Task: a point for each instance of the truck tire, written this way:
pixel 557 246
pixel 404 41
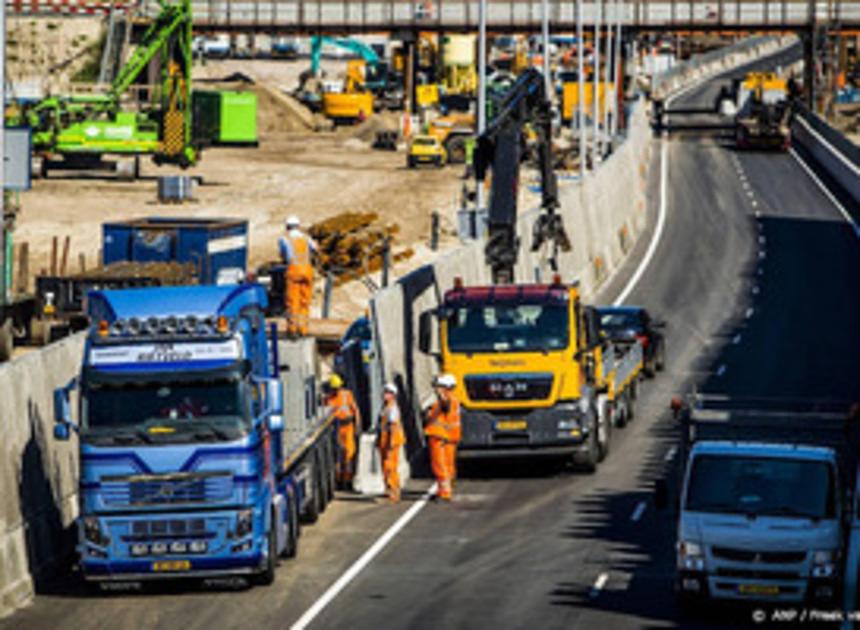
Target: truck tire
pixel 622 404
pixel 604 427
pixel 455 147
pixel 331 476
pixel 292 546
pixel 267 575
pixel 6 340
pixel 312 509
pixel 588 459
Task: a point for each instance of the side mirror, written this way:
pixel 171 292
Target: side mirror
pixel 425 332
pixel 274 391
pixel 62 432
pixel 62 406
pixel 661 494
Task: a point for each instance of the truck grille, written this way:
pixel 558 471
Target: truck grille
pixel 509 387
pixel 168 489
pixel 766 557
pixel 749 574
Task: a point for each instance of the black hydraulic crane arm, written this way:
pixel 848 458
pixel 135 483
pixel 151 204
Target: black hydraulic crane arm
pixel 499 149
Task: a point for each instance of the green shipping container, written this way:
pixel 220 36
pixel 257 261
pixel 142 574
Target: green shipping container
pixel 225 118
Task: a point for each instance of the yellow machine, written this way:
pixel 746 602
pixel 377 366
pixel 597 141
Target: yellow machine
pixel 453 131
pixel 427 95
pixel 426 149
pixel 534 374
pixel 354 103
pixel 459 75
pixel 762 111
pixel 570 98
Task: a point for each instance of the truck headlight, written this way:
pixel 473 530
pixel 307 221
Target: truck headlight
pixel 566 425
pixel 244 522
pixel 823 564
pixel 93 531
pixel 139 549
pixel 690 556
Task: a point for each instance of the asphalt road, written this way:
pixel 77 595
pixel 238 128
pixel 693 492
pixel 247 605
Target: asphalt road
pixel 527 545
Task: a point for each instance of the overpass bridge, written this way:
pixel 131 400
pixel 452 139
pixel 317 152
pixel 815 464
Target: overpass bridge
pixel 367 16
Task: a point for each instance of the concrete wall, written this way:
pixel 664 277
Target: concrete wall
pixel 832 154
pixel 38 475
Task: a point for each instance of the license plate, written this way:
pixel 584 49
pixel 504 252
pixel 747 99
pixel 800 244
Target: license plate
pixel 758 589
pixel 171 565
pixel 511 425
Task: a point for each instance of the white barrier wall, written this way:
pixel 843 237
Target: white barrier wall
pixel 38 475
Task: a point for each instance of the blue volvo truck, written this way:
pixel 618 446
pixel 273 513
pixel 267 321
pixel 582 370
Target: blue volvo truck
pixel 196 458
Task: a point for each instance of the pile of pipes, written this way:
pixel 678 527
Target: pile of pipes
pixel 352 244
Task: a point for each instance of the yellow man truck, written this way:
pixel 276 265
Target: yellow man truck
pixel 534 374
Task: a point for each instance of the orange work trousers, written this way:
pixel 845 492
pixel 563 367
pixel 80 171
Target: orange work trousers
pixel 391 471
pixel 345 451
pixel 300 285
pixel 443 461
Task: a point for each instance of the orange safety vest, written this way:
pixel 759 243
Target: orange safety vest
pixel 444 424
pixel 391 433
pixel 298 250
pixel 342 406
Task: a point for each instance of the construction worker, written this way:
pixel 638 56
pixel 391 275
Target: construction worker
pixel 340 405
pixel 296 251
pixel 443 432
pixel 391 439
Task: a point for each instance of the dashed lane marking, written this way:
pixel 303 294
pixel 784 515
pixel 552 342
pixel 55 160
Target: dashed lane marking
pixel 639 511
pixel 599 583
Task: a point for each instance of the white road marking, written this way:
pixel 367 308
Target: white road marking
pixel 760 271
pixel 736 340
pixel 599 583
pixel 754 203
pixel 750 194
pixel 639 511
pixel 762 255
pixel 749 313
pixel 758 214
pixel 762 240
pixel 670 454
pixel 365 559
pixel 721 370
pixel 658 231
pixel 755 289
pixel 827 192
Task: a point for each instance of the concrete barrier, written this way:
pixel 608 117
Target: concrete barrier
pixel 832 154
pixel 38 475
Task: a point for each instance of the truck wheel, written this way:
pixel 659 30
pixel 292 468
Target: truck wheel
pixel 312 509
pixel 604 428
pixel 6 340
pixel 588 459
pixel 267 576
pixel 622 405
pixel 455 147
pixel 292 546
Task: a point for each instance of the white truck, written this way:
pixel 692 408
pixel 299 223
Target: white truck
pixel 764 501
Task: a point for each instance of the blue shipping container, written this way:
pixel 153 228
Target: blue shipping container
pixel 212 245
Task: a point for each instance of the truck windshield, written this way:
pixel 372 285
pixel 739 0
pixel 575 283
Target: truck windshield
pixel 191 411
pixel 508 328
pixel 761 486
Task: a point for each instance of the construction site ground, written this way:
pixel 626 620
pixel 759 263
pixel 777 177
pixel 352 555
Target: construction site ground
pixel 314 175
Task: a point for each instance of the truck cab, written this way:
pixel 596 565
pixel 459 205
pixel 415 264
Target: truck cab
pixel 763 509
pixel 526 361
pixel 180 422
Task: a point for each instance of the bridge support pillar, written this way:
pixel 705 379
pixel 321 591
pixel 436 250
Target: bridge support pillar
pixel 808 39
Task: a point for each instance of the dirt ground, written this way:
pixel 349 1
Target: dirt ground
pixel 311 174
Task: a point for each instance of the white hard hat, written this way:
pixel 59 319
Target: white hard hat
pixel 390 388
pixel 446 380
pixel 293 221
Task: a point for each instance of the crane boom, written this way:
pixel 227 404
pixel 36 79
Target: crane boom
pixel 499 149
